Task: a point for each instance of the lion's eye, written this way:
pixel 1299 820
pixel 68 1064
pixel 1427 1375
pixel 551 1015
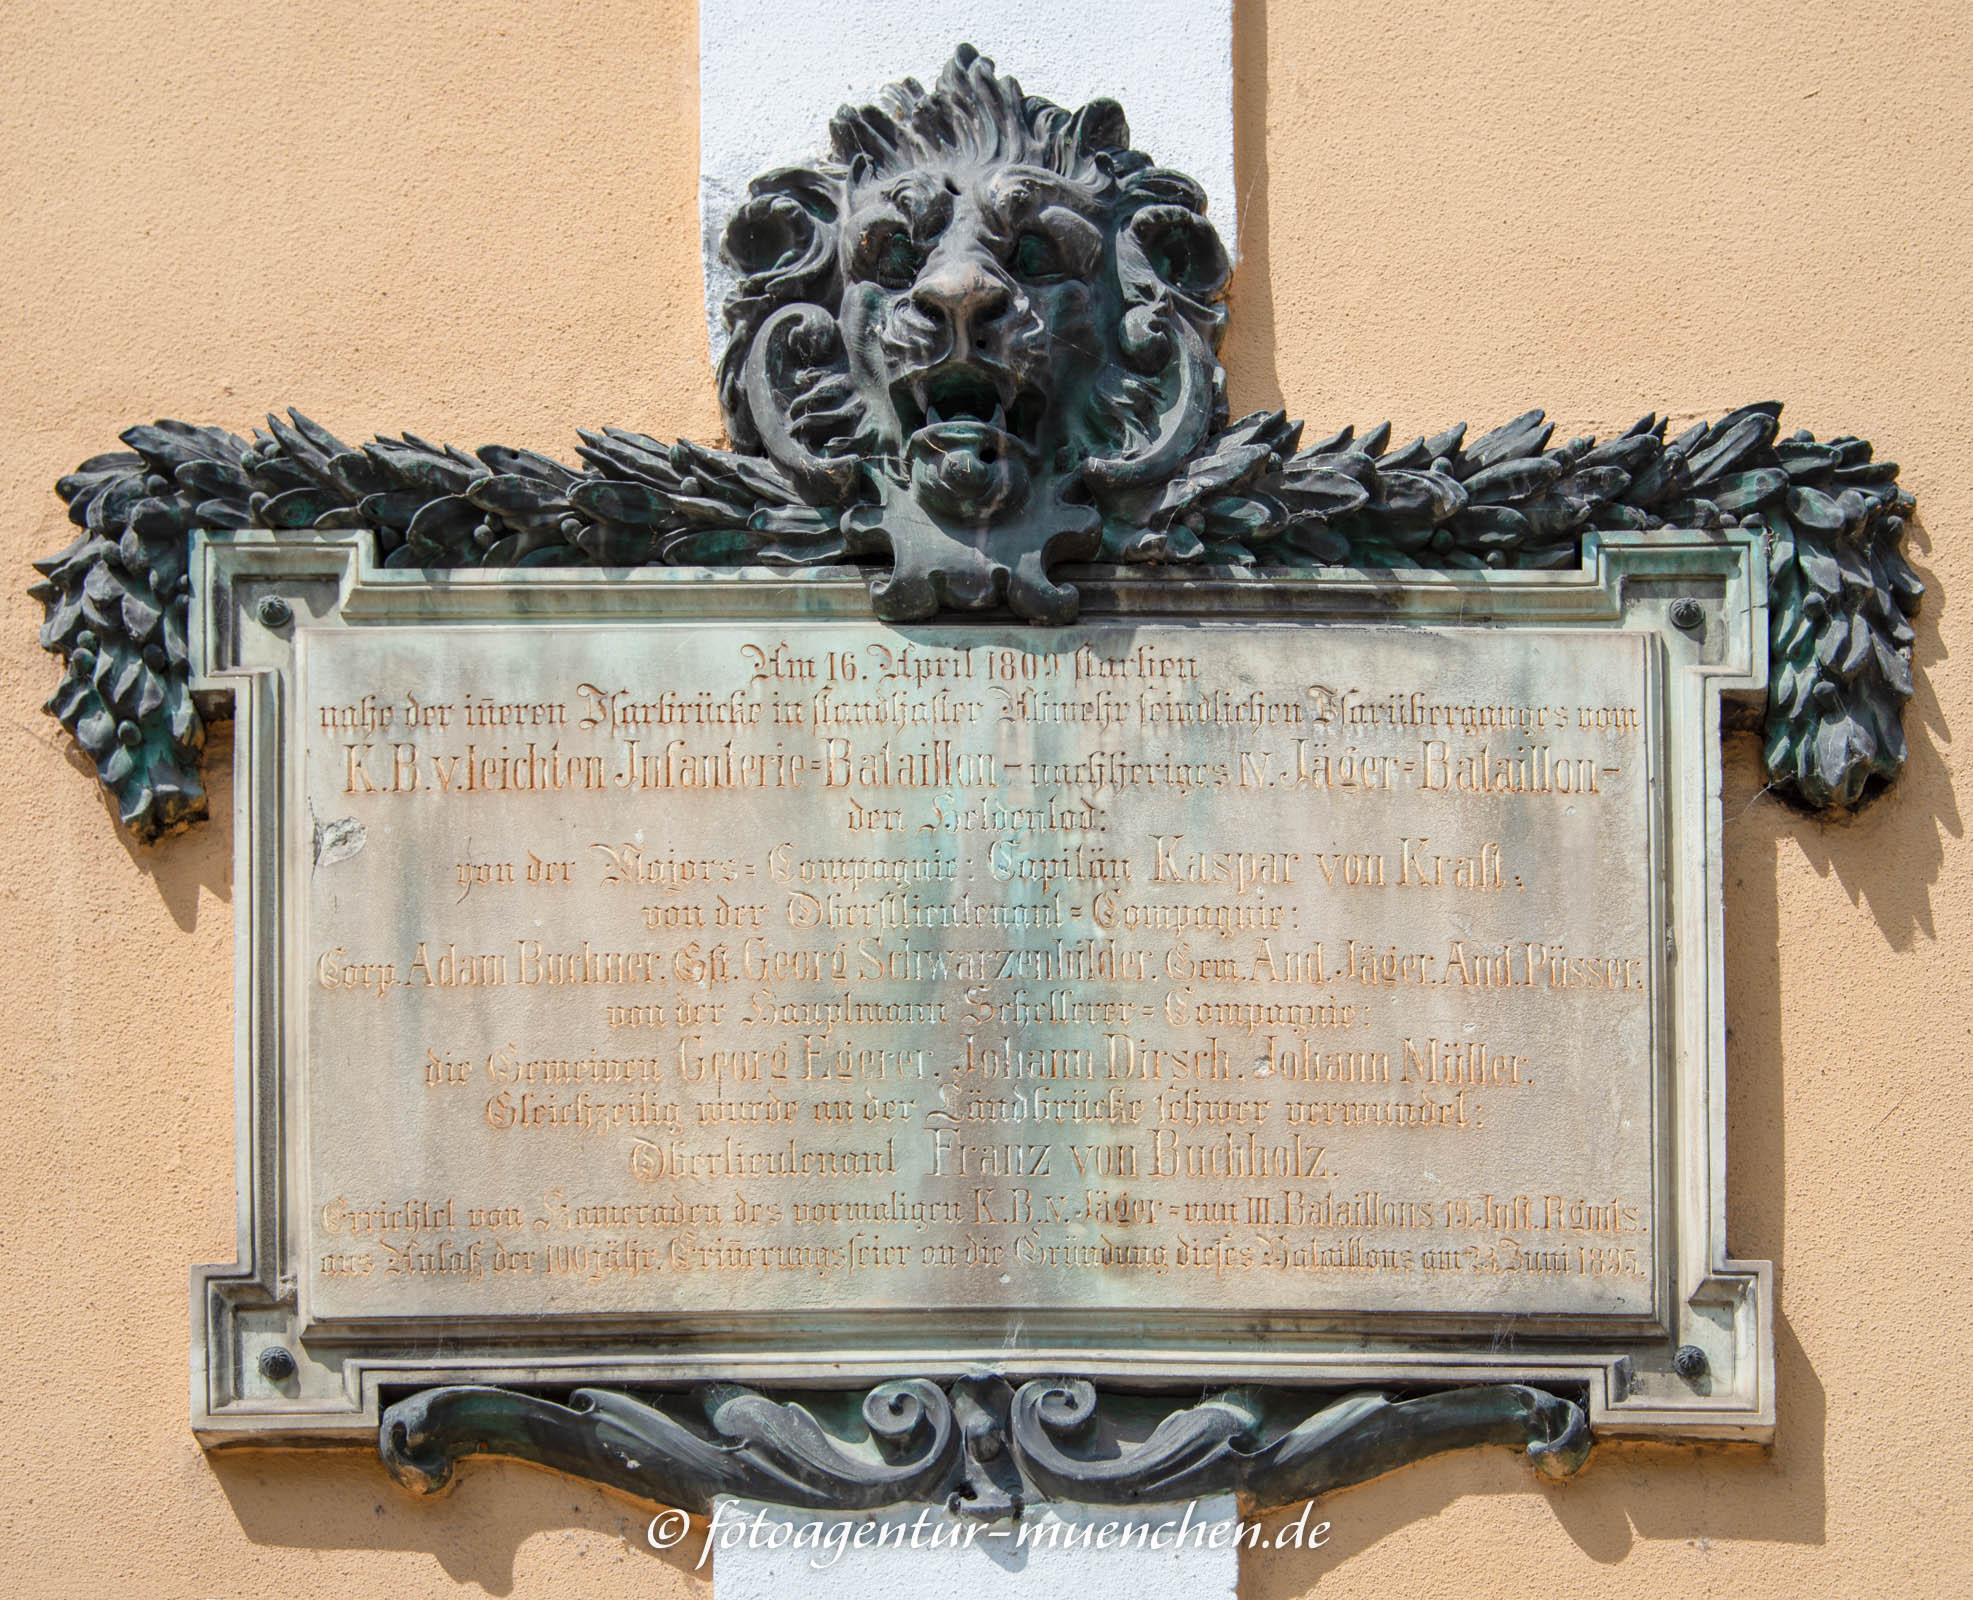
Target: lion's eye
pixel 896 260
pixel 1035 256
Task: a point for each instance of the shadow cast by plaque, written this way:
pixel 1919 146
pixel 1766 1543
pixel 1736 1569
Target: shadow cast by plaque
pixel 182 866
pixel 341 1500
pixel 1888 856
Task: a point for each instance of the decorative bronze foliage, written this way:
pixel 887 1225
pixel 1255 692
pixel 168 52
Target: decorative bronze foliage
pixel 974 345
pixel 117 603
pixel 978 1444
pixel 1841 591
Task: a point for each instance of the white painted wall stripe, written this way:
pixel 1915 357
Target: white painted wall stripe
pixel 772 73
pixel 771 1553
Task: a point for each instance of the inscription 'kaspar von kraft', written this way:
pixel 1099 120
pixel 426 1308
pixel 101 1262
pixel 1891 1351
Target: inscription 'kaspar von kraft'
pixel 1138 967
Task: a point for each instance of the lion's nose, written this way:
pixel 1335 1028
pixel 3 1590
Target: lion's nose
pixel 962 292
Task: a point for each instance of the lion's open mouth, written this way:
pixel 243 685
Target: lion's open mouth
pixel 972 402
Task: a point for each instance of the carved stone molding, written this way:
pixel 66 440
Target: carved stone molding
pixel 978 1445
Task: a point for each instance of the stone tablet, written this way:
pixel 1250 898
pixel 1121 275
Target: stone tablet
pixel 699 969
pixel 688 979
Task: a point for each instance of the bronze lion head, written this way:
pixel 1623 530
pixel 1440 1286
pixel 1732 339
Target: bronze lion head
pixel 978 327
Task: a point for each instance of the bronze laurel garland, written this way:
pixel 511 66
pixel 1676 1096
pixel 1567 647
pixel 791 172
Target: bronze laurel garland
pixel 1840 591
pixel 972 344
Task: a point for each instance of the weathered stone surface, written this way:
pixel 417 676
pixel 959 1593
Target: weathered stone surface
pixel 1259 982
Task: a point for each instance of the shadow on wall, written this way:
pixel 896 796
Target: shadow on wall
pixel 182 865
pixel 1627 1494
pixel 1890 854
pixel 1890 857
pixel 1655 1492
pixel 342 1500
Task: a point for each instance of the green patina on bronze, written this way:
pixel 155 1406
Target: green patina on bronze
pixel 979 1445
pixel 974 346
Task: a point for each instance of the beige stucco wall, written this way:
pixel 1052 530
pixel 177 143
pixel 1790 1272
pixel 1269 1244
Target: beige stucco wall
pixel 477 221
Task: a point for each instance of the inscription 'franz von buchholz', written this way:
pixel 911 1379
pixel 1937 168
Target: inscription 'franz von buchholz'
pixel 698 968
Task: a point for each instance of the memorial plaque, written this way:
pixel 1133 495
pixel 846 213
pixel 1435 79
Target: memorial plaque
pixel 701 969
pixel 996 878
pixel 1000 932
pixel 664 981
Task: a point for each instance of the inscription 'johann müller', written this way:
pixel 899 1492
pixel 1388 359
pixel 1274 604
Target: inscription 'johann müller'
pixel 1123 960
